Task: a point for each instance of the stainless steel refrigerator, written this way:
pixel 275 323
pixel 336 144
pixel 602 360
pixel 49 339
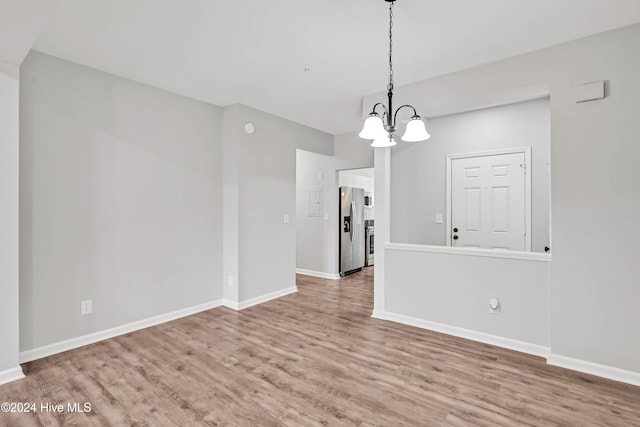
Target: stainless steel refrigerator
pixel 351 230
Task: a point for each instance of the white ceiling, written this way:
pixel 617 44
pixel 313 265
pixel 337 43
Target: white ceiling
pixel 256 51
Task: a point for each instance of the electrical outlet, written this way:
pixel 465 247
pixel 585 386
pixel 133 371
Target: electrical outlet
pixel 86 307
pixel 230 281
pixel 285 218
pixel 494 306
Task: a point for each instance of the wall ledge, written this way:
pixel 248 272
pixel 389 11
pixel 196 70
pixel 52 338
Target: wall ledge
pixel 489 253
pixel 81 341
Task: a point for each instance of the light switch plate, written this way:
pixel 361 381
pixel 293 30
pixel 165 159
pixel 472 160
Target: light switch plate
pixel 86 307
pixel 438 218
pixel 326 216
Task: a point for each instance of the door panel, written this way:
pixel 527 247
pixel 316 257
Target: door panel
pixel 488 201
pixel 472 209
pixel 473 172
pixel 500 170
pixel 500 209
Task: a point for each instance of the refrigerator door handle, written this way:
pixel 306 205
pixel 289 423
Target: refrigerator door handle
pixel 351 213
pixel 355 213
pixel 352 209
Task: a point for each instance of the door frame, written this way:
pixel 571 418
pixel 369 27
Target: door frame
pixel 527 187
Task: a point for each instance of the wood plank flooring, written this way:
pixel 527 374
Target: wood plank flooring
pixel 312 358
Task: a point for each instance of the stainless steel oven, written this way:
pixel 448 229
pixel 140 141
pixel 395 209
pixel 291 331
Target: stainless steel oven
pixel 368 246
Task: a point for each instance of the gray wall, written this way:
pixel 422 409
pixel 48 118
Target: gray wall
pixel 523 124
pixel 120 201
pixel 9 143
pixel 349 146
pixel 264 176
pixel 594 196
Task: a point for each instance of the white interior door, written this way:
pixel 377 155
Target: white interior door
pixel 488 197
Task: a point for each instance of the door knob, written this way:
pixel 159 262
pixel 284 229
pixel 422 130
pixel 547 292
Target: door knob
pixel 455 237
pixel 455 230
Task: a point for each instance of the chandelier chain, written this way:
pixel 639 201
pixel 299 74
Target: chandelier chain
pixel 390 86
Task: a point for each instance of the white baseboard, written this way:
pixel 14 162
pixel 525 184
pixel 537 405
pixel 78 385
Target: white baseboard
pixel 70 344
pixel 267 297
pixel 511 344
pixel 616 374
pixel 604 371
pixel 230 304
pixel 10 375
pixel 379 314
pixel 237 306
pixel 320 274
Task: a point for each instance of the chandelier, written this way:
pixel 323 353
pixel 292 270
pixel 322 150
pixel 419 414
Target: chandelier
pixel 382 133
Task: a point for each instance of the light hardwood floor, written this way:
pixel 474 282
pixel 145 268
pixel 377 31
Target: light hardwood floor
pixel 311 358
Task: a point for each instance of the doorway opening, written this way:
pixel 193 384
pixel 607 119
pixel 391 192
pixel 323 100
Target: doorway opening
pixel 318 179
pixel 356 228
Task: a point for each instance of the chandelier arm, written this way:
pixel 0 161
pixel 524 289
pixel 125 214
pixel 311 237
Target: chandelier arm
pixel 395 115
pixel 383 106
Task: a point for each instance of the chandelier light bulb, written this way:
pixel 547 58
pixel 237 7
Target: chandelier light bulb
pixel 372 128
pixel 383 141
pixel 415 131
